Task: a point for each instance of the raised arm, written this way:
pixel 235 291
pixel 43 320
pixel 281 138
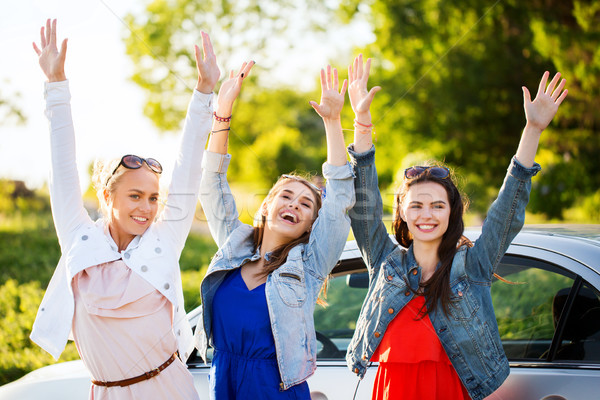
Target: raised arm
pixel 215 195
pixel 187 173
pixel 506 215
pixel 227 95
pixel 539 113
pixel 360 100
pixel 330 230
pixel 332 101
pixel 367 215
pixel 65 192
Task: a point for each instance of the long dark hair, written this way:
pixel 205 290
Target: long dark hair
pixel 279 254
pixel 437 288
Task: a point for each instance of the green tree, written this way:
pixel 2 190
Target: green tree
pixel 274 130
pixel 453 70
pixel 451 73
pixel 10 112
pixel 160 43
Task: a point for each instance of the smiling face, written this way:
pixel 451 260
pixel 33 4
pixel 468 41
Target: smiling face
pixel 290 212
pixel 426 211
pixel 133 204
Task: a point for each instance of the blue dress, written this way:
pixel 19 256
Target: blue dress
pixel 244 364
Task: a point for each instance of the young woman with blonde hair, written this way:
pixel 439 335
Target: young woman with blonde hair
pixel 117 287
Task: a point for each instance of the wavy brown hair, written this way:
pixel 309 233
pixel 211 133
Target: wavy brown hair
pixel 279 254
pixel 437 288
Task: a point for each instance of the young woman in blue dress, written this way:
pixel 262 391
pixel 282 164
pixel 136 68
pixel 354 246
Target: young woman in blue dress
pixel 437 283
pixel 262 285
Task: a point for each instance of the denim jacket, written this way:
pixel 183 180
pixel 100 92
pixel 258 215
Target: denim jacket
pixel 293 288
pixel 469 334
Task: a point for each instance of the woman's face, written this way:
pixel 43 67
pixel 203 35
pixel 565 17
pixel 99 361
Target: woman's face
pixel 291 211
pixel 134 202
pixel 426 211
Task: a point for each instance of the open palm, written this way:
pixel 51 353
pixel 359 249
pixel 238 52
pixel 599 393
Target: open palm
pixel 51 60
pixel 542 109
pixel 360 97
pixel 332 100
pixel 230 89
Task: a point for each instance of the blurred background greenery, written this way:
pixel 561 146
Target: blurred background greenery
pixel 451 73
pixel 29 252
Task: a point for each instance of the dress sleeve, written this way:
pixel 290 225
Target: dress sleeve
pixel 330 230
pixel 65 192
pixel 369 231
pixel 181 201
pixel 216 198
pixel 504 220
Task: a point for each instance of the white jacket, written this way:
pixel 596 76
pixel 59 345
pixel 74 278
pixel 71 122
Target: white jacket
pixel 154 255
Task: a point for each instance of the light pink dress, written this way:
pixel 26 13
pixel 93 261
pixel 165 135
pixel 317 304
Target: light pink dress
pixel 122 328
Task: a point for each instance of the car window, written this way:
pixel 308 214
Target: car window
pixel 336 322
pixel 525 306
pixel 580 339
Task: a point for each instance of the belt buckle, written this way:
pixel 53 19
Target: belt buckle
pixel 152 373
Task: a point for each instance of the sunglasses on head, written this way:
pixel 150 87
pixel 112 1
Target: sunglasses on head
pixel 297 178
pixel 417 171
pixel 131 161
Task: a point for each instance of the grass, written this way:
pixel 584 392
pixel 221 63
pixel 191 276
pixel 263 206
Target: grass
pixel 29 253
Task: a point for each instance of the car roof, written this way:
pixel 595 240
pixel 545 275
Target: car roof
pixel 579 242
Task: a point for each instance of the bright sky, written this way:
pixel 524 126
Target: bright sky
pixel 107 106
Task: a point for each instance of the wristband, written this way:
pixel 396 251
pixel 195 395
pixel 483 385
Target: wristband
pixel 221 119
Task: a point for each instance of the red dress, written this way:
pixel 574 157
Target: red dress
pixel 412 361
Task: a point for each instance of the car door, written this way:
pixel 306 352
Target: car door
pixel 334 325
pixel 548 316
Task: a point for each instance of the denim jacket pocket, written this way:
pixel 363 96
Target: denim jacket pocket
pixel 391 276
pixel 291 285
pixel 463 305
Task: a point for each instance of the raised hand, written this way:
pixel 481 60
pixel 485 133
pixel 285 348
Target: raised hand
pixel 208 71
pixel 332 100
pixel 51 60
pixel 230 89
pixel 543 108
pixel 360 97
pixel 539 113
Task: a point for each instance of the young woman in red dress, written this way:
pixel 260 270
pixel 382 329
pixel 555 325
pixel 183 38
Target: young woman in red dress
pixel 428 317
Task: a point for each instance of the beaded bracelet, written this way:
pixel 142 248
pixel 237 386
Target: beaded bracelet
pixel 221 119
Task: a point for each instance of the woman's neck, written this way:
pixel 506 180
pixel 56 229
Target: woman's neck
pixel 426 255
pixel 122 240
pixel 270 241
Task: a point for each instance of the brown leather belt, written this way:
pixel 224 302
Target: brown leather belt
pixel 143 377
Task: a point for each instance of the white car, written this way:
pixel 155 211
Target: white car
pixel 549 321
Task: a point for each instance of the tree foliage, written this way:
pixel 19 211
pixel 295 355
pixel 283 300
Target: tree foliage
pixel 10 112
pixel 453 70
pixel 161 38
pixel 451 73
